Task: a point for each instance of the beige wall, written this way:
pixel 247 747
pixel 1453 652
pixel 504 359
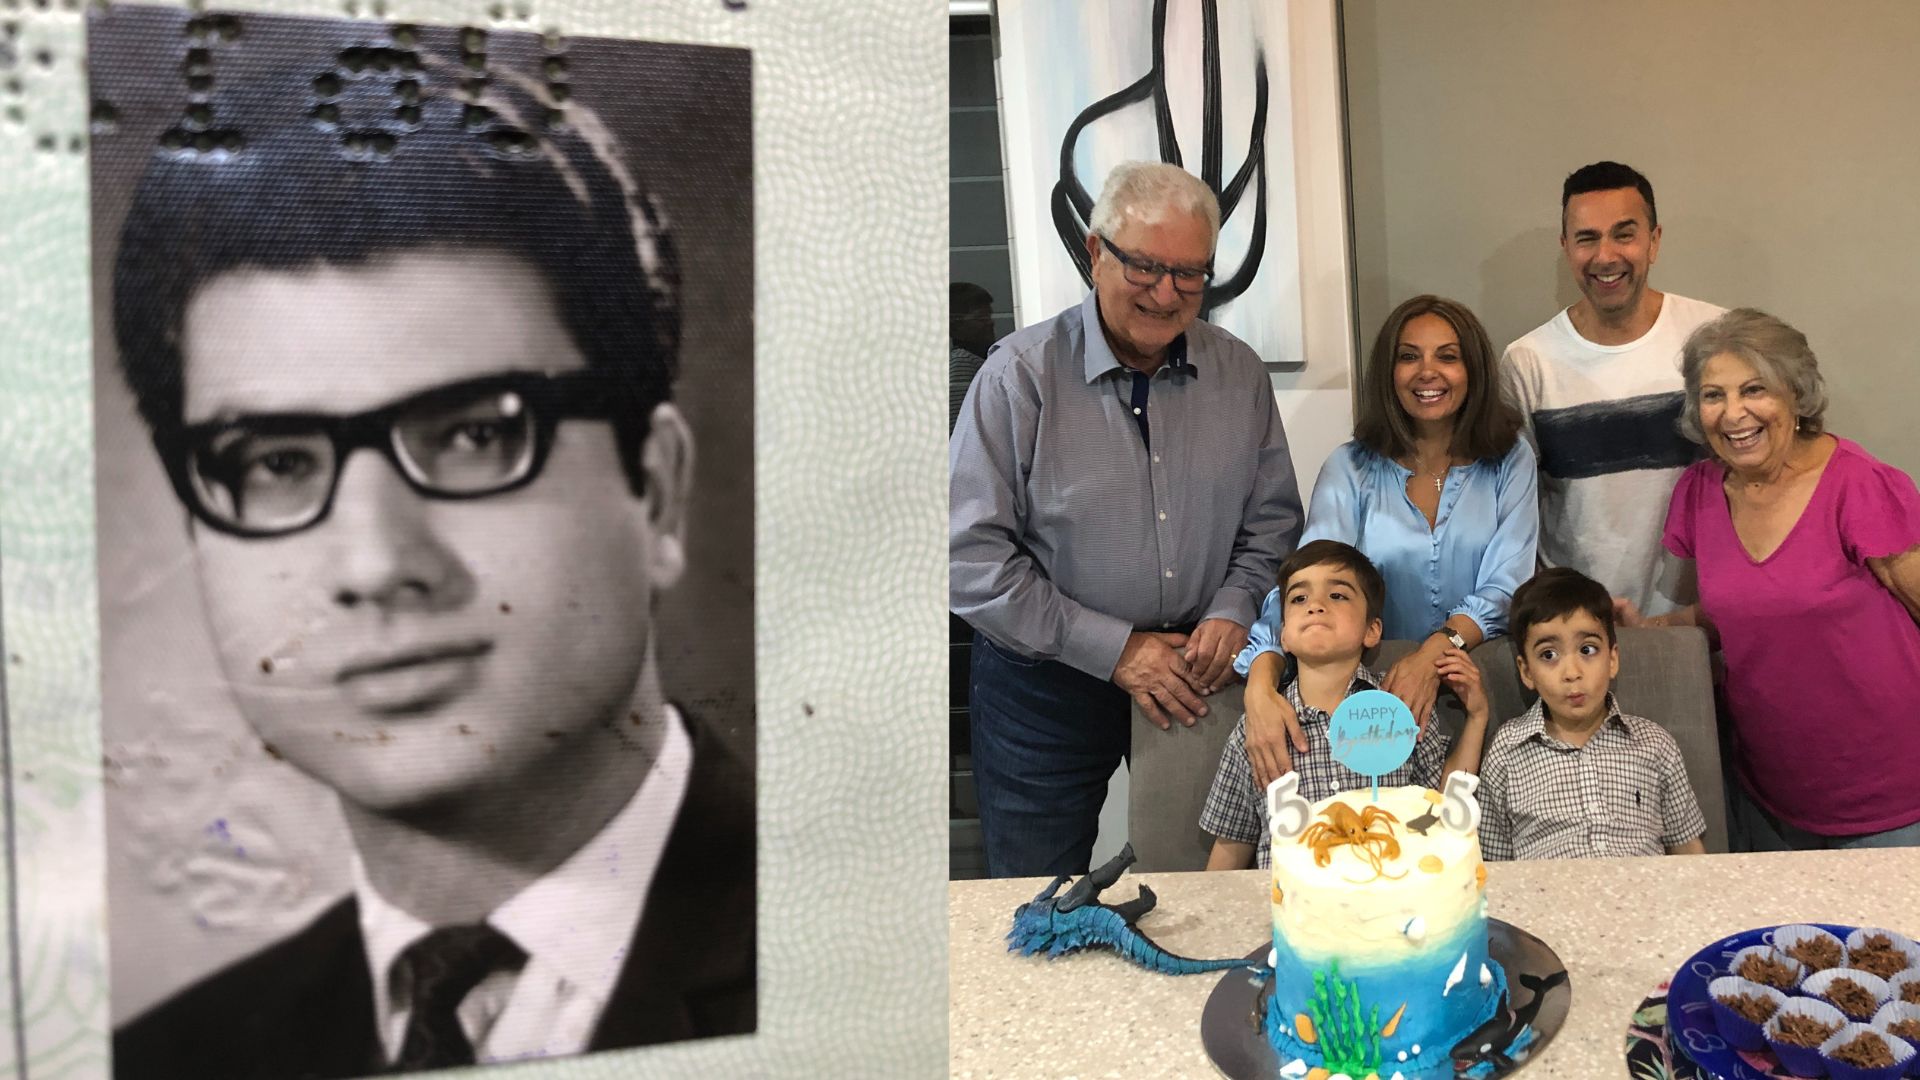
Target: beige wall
pixel 1782 139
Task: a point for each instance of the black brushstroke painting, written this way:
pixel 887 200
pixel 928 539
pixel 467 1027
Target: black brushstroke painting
pixel 1072 205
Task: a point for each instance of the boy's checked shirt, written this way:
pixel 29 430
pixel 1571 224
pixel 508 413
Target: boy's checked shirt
pixel 1624 793
pixel 1237 810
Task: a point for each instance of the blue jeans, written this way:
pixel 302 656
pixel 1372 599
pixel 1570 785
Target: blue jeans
pixel 1755 829
pixel 1046 739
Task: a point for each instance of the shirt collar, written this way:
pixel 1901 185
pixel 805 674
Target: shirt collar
pixel 578 919
pixel 1533 723
pixel 1099 358
pixel 1363 679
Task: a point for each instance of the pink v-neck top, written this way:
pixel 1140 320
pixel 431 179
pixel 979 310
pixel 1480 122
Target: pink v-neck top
pixel 1823 662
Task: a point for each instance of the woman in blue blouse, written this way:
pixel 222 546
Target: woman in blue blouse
pixel 1438 489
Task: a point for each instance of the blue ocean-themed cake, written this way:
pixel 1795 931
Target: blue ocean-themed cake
pixel 1380 957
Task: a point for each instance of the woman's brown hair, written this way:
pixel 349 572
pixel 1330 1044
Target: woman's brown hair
pixel 1485 426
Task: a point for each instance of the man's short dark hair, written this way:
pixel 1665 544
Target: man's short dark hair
pixel 966 298
pixel 1555 594
pixel 1345 557
pixel 533 179
pixel 1607 176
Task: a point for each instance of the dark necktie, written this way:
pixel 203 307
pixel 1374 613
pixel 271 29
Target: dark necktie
pixel 443 968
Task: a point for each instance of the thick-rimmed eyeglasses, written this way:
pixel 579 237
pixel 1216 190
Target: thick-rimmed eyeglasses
pixel 272 474
pixel 1187 280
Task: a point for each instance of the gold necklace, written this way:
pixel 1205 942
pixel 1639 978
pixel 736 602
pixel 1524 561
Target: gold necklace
pixel 1439 478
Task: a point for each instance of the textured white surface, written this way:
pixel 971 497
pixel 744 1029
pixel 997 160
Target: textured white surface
pixel 850 659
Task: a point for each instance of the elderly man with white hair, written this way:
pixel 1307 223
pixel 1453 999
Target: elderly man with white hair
pixel 1120 496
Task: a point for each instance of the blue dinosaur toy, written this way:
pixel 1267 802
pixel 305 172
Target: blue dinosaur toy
pixel 1057 925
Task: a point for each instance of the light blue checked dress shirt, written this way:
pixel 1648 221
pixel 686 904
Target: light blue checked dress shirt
pixel 1068 529
pixel 1479 549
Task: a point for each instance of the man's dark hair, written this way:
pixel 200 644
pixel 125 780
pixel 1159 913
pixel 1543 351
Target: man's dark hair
pixel 966 298
pixel 1486 425
pixel 1554 594
pixel 1343 556
pixel 1606 176
pixel 520 174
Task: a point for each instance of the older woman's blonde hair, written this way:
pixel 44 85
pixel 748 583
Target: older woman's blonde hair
pixel 1779 354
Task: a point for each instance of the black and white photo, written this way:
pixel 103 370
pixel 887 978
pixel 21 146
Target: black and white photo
pixel 424 432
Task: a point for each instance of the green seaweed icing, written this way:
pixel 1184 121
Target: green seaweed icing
pixel 1347 1043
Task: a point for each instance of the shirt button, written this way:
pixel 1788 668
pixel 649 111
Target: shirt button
pixel 1169 573
pixel 1136 412
pixel 1163 515
pixel 1156 459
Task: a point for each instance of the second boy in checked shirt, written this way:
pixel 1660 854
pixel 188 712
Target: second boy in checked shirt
pixel 1575 777
pixel 1330 600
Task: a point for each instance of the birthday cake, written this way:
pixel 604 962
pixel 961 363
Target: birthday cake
pixel 1380 957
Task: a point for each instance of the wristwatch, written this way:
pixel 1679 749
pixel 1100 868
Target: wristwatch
pixel 1453 637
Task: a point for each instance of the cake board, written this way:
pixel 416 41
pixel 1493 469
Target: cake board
pixel 1230 1022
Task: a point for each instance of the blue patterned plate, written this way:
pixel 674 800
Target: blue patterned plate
pixel 1690 1024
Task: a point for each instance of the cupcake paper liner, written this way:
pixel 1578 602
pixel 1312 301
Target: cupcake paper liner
pixel 1909 977
pixel 1892 1013
pixel 1840 1070
pixel 1900 941
pixel 1816 984
pixel 1741 1032
pixel 1802 1060
pixel 1733 965
pixel 1786 937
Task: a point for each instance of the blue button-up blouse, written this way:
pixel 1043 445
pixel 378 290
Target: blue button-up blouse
pixel 1478 550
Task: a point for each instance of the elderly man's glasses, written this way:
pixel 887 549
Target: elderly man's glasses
pixel 1187 280
pixel 276 473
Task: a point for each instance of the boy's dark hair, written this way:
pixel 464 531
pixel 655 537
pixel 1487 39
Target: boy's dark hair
pixel 1606 176
pixel 521 172
pixel 1486 425
pixel 1345 556
pixel 1553 594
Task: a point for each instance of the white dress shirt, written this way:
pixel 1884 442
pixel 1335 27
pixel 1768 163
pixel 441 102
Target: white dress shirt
pixel 575 925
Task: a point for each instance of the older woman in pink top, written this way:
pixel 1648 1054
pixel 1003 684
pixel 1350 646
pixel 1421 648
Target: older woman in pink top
pixel 1808 556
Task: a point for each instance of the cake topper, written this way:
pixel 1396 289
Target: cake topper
pixel 1287 813
pixel 1372 733
pixel 1461 811
pixel 1369 831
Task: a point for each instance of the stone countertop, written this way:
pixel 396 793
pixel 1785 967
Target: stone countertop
pixel 1622 926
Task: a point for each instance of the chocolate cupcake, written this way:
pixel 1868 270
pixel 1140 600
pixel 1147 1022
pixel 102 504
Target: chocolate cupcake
pixel 1797 1031
pixel 1901 1020
pixel 1857 1052
pixel 1859 994
pixel 1765 964
pixel 1882 952
pixel 1906 986
pixel 1816 948
pixel 1740 1009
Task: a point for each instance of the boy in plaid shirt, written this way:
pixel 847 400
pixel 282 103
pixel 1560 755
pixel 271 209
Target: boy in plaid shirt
pixel 1330 600
pixel 1575 777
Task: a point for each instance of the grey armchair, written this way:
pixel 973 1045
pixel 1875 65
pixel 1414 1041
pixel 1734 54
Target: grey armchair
pixel 1664 676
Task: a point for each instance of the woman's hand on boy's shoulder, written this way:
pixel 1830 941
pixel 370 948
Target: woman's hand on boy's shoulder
pixel 1273 733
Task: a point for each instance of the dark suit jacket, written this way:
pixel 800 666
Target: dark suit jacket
pixel 302 1009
